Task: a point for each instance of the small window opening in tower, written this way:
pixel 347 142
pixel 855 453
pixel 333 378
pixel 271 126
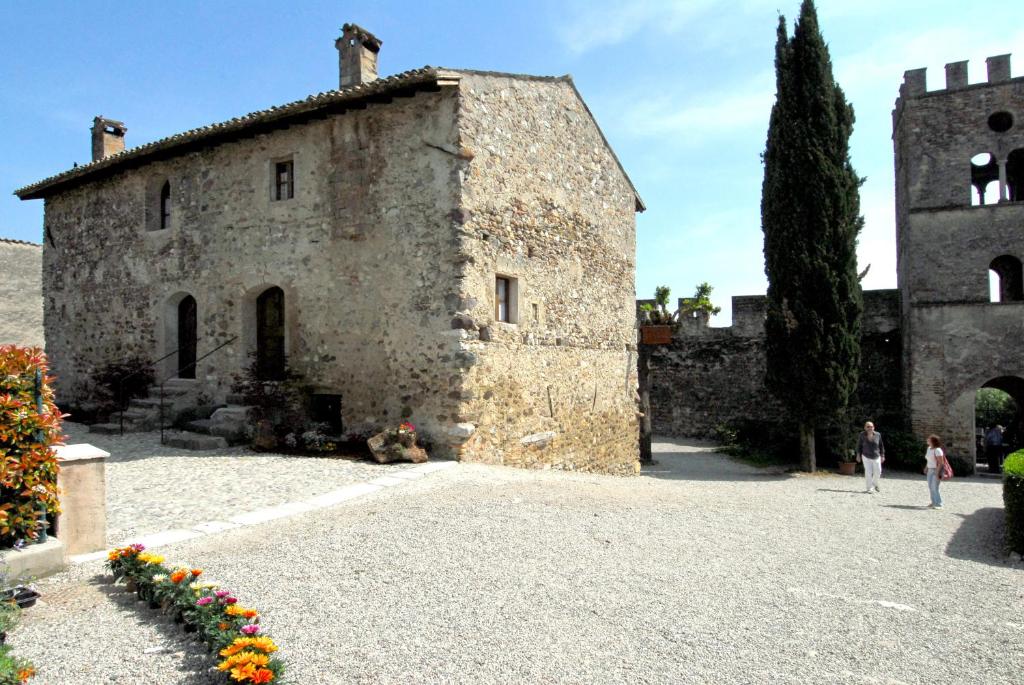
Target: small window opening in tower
pixel 984 179
pixel 1000 122
pixel 1006 279
pixel 1015 176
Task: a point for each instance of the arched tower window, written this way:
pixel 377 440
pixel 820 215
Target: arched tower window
pixel 165 205
pixel 984 179
pixel 1008 285
pixel 1015 175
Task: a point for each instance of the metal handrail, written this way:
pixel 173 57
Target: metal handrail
pixel 120 382
pixel 193 364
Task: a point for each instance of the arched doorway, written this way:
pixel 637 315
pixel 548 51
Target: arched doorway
pixel 999 419
pixel 270 348
pixel 187 337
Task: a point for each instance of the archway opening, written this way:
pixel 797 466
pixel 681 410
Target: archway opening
pixel 998 420
pixel 270 335
pixel 1015 175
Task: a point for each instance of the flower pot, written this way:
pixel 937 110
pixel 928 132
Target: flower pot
pixel 847 468
pixel 130 585
pixel 656 335
pixel 22 596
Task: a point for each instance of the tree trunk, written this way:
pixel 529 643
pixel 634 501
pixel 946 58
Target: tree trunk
pixel 643 377
pixel 807 447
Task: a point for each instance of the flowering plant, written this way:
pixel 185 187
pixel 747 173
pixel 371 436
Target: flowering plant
pixel 229 629
pixel 406 427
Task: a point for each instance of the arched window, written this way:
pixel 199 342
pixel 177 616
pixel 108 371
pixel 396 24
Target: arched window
pixel 1008 282
pixel 984 179
pixel 1015 175
pixel 165 205
pixel 270 350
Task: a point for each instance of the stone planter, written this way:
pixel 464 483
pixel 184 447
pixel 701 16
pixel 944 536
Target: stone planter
pixel 656 335
pixel 847 468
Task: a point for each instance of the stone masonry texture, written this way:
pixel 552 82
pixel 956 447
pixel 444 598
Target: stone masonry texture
pixel 404 213
pixel 21 293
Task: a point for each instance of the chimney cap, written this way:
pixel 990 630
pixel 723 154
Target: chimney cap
pixel 368 40
pixel 101 121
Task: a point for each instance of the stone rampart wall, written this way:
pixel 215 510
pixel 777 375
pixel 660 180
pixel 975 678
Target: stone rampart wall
pixel 711 377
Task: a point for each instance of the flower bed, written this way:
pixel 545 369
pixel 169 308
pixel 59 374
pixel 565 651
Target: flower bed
pixel 13 670
pixel 213 613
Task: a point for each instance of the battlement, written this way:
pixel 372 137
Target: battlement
pixel 915 81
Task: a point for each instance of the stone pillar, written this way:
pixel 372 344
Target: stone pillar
pixel 82 524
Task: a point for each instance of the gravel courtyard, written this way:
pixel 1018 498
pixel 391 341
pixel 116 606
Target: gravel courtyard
pixel 701 570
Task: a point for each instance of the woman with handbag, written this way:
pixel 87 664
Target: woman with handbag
pixel 936 468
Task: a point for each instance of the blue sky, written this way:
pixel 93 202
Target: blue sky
pixel 682 89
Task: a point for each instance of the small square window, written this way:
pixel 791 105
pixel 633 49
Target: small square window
pixel 284 180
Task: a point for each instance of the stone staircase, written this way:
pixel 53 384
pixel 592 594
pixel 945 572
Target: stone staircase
pixel 144 414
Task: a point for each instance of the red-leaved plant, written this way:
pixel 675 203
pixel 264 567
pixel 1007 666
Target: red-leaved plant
pixel 29 429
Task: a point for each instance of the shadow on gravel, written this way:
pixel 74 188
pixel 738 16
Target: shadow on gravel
pixel 980 537
pixel 195 661
pixel 923 507
pixel 851 491
pixel 697 460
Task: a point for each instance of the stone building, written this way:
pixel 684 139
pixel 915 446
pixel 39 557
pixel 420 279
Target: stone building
pixel 932 343
pixel 960 218
pixel 447 246
pixel 21 293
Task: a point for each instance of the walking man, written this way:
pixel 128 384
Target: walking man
pixel 871 452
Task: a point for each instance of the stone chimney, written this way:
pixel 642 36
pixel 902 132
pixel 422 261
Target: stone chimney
pixel 357 56
pixel 107 137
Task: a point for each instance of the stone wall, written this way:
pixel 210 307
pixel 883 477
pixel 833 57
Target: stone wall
pixel 21 293
pixel 359 253
pixel 546 205
pixel 711 377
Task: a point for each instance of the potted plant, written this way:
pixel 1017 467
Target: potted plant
pixel 656 322
pixel 847 462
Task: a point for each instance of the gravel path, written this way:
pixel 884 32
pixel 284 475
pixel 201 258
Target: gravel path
pixel 153 487
pixel 701 570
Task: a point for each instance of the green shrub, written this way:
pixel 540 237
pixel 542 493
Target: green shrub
pixel 904 451
pixel 1013 499
pixel 29 427
pixel 761 443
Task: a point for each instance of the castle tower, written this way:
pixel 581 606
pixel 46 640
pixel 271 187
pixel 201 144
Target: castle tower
pixel 959 218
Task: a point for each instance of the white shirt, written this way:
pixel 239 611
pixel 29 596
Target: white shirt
pixel 931 454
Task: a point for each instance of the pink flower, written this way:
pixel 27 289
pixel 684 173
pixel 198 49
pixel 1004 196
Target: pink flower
pixel 203 601
pixel 221 593
pixel 250 629
pixel 230 600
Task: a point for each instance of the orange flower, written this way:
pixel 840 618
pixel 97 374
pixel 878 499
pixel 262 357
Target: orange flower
pixel 26 673
pixel 222 626
pixel 241 673
pixel 262 675
pixel 263 643
pixel 249 613
pixel 234 610
pixel 196 572
pixel 178 576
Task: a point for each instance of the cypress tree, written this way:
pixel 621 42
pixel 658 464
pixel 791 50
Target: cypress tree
pixel 810 215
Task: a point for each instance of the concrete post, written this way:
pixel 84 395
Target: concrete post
pixel 82 524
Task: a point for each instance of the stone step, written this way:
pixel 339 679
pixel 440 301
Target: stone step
pixel 195 441
pixel 200 426
pixel 145 403
pixel 136 414
pixel 235 399
pixel 168 391
pixel 107 428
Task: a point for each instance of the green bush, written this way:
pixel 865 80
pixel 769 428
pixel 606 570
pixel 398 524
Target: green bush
pixel 1013 499
pixel 904 451
pixel 762 443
